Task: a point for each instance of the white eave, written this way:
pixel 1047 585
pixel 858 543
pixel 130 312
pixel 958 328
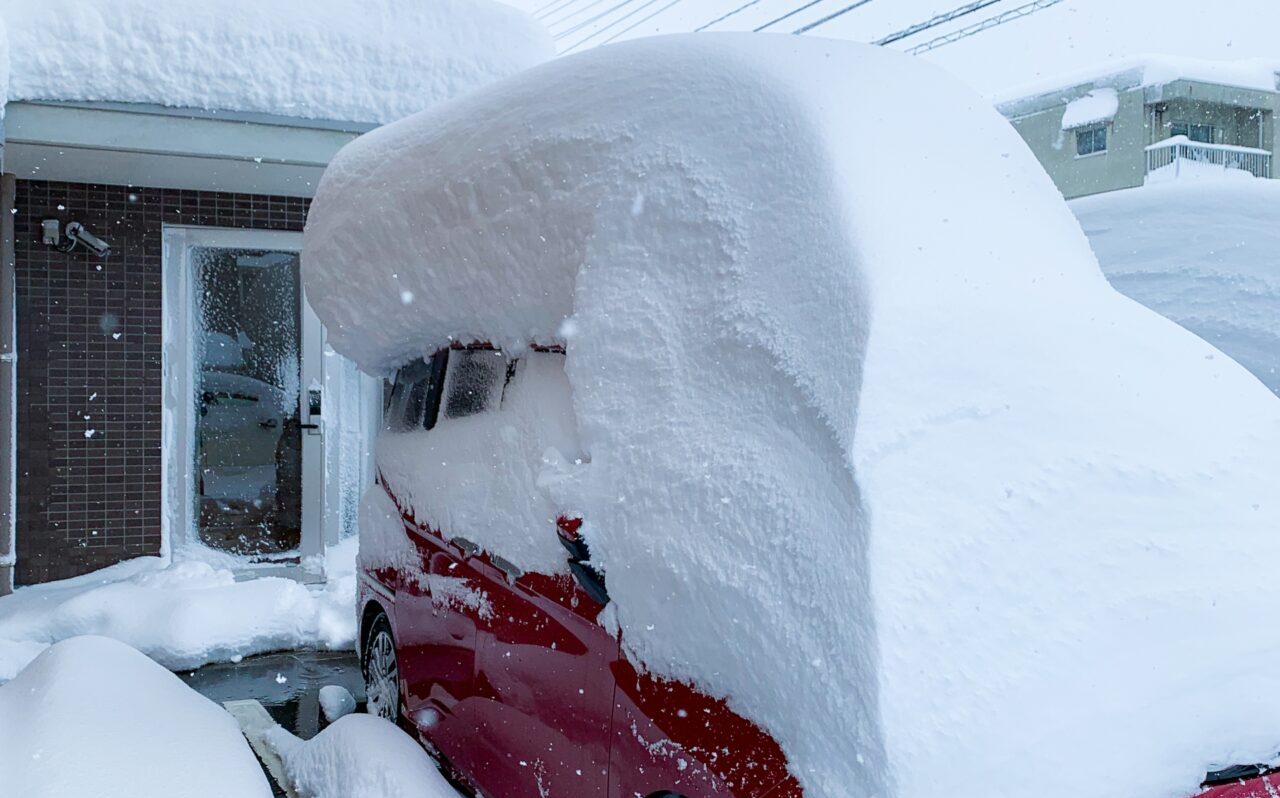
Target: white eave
pixel 156 146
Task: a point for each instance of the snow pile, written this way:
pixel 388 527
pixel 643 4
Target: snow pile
pixel 91 716
pixel 1099 105
pixel 359 756
pixel 182 615
pixel 924 496
pixel 368 62
pixel 1206 255
pixel 336 702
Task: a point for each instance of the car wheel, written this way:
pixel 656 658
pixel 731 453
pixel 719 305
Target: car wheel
pixel 381 673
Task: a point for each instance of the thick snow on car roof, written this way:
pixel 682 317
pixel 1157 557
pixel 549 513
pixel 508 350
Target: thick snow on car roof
pixel 372 61
pixel 870 446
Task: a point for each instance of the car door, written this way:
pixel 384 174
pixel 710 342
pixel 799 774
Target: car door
pixel 544 689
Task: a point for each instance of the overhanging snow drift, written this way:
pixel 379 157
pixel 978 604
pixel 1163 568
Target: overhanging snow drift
pixel 372 61
pixel 871 447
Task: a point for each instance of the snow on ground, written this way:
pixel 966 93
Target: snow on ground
pixel 359 756
pixel 91 716
pixel 1205 253
pixel 925 496
pixel 184 614
pixel 368 62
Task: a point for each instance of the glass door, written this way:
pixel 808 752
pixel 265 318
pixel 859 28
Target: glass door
pixel 248 396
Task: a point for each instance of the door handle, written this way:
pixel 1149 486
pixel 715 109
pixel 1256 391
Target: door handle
pixel 309 426
pixel 509 568
pixel 465 546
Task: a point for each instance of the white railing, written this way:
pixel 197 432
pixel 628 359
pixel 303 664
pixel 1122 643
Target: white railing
pixel 1173 152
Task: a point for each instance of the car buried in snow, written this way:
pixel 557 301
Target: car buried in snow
pixel 750 439
pixel 504 674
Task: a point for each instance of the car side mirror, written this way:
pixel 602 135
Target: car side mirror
pixel 591 580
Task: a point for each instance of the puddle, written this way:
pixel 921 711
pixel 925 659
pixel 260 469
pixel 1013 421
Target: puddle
pixel 287 684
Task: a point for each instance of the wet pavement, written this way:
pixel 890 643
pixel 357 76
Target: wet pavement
pixel 287 684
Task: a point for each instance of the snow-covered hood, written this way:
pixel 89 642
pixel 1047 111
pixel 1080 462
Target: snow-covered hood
pixel 871 447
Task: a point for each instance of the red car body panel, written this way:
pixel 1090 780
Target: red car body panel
pixel 1266 786
pixel 525 694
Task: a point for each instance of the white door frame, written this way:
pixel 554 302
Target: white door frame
pixel 178 499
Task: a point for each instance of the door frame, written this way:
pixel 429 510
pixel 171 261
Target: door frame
pixel 178 419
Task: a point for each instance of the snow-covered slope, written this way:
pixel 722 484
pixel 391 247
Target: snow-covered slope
pixel 372 61
pixel 93 717
pixel 870 446
pixel 1205 253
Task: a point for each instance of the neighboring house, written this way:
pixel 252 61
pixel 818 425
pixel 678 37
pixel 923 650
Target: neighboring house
pixel 1152 118
pixel 178 389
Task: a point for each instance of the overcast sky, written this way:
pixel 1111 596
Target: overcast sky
pixel 1070 35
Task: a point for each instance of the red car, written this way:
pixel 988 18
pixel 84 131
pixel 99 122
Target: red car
pixel 507 676
pixel 510 678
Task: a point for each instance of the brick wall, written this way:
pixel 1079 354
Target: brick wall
pixel 89 344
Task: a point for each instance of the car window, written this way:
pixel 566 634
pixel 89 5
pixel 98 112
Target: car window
pixel 475 381
pixel 415 397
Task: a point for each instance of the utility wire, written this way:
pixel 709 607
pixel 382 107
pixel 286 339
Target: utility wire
pixel 588 22
pixel 787 15
pixel 986 24
pixel 547 9
pixel 829 17
pixel 633 26
pixel 549 22
pixel 617 21
pixel 723 17
pixel 935 21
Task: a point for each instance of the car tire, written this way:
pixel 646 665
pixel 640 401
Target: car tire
pixel 381 671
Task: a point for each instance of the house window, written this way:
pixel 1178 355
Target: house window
pixel 1091 139
pixel 1204 133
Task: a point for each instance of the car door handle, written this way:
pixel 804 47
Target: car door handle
pixel 509 568
pixel 465 546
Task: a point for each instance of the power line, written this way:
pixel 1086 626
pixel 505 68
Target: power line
pixel 641 22
pixel 549 22
pixel 587 22
pixel 617 21
pixel 829 17
pixel 787 15
pixel 547 9
pixel 723 17
pixel 935 21
pixel 978 27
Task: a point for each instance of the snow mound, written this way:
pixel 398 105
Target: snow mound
pixel 91 716
pixel 368 62
pixel 182 615
pixel 870 447
pixel 1205 254
pixel 359 756
pixel 336 702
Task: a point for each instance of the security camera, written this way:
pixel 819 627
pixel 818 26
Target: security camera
pixel 77 234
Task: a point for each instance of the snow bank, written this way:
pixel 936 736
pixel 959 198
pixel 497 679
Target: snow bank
pixel 359 756
pixel 182 615
pixel 1099 105
pixel 1205 254
pixel 870 447
pixel 91 716
pixel 368 62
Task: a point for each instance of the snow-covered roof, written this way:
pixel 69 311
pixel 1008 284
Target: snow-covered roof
pixel 1256 74
pixel 869 446
pixel 1099 105
pixel 327 59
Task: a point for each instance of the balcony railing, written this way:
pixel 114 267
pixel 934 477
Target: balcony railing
pixel 1179 152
